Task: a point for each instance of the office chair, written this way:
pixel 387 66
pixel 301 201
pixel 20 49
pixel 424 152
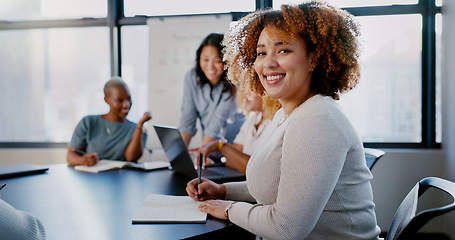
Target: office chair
pixel 406 222
pixel 372 155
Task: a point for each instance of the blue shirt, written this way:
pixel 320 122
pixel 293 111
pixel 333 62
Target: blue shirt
pixel 108 139
pixel 210 104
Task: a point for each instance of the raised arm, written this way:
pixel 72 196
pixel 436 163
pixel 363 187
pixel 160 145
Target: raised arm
pixel 135 149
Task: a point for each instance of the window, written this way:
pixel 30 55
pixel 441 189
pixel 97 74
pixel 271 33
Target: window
pixel 176 7
pixel 14 10
pixel 386 104
pixel 61 52
pixel 350 3
pixel 438 78
pixel 52 78
pixel 135 55
pixel 397 102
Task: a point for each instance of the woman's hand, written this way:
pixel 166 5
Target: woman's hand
pixel 195 157
pixel 206 190
pixel 208 149
pixel 90 159
pixel 147 116
pixel 215 208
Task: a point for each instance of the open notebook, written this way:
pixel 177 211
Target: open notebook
pixel 158 208
pixel 105 165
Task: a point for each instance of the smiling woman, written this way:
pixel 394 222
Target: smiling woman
pixel 211 64
pixel 111 135
pixel 207 95
pixel 281 64
pixel 305 56
pixel 36 78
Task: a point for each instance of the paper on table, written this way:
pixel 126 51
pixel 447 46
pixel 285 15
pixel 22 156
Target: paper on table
pixel 159 208
pixel 150 165
pixel 104 165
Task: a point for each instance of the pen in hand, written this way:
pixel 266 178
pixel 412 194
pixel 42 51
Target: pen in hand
pixel 90 160
pixel 199 172
pixel 79 151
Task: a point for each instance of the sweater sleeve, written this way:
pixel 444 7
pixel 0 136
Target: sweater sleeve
pixel 15 224
pixel 238 191
pixel 313 153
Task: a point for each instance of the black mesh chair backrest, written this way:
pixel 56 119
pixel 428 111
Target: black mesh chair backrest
pixel 406 222
pixel 372 155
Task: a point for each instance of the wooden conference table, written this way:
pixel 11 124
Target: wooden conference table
pixel 80 205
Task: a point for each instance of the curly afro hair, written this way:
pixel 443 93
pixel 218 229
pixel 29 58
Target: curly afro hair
pixel 331 33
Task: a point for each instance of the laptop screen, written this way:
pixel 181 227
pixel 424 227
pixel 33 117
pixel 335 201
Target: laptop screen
pixel 176 150
pixel 181 161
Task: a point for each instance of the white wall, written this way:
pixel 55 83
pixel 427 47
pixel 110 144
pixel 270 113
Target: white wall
pixel 32 156
pixel 394 175
pixel 45 156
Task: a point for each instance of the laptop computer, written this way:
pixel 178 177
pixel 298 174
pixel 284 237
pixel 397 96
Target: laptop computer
pixel 181 162
pixel 18 170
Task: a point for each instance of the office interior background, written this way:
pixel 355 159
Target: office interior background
pixel 57 54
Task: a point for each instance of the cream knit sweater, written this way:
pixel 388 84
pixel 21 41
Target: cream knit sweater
pixel 15 224
pixel 309 179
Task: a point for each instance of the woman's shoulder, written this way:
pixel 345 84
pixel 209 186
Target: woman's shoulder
pixel 318 104
pixel 321 109
pixel 130 123
pixel 191 76
pixel 90 120
pixel 250 118
pixel 318 108
pixel 278 115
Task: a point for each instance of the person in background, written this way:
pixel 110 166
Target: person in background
pixel 207 95
pixel 19 225
pixel 259 112
pixel 309 179
pixel 111 135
